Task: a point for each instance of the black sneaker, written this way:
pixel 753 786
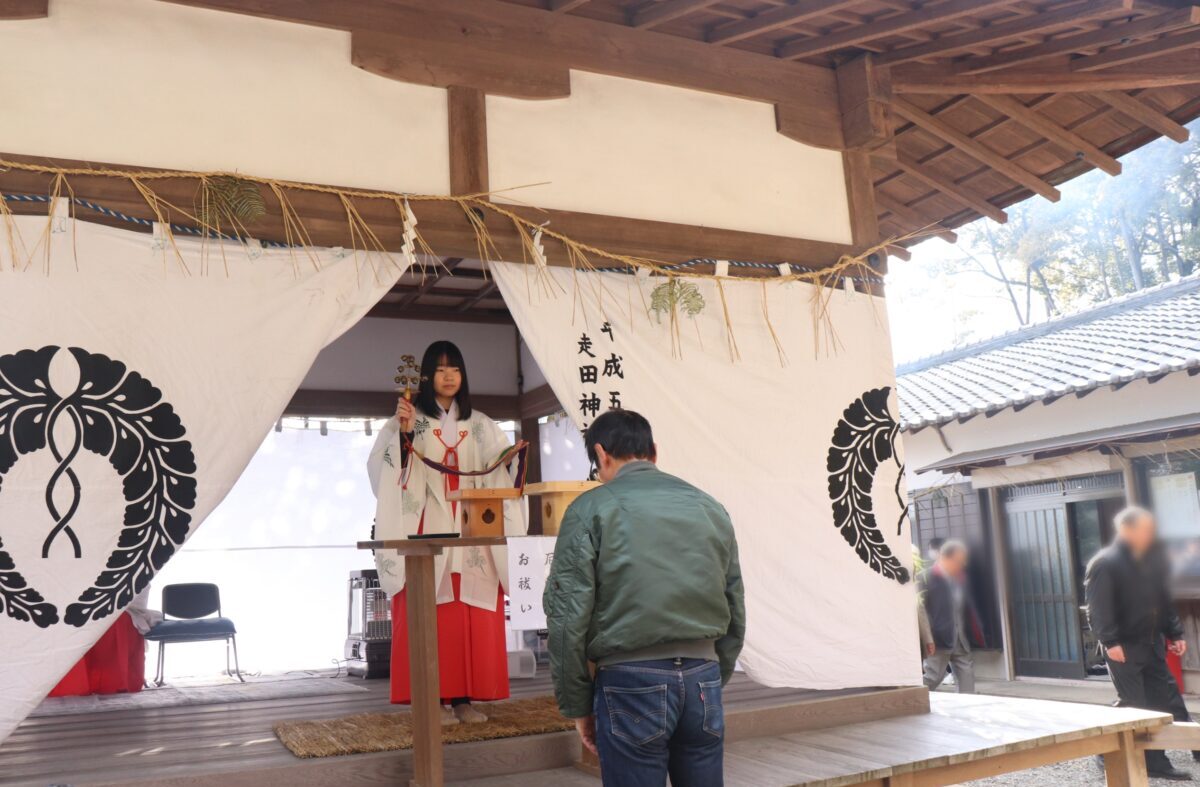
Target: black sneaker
pixel 1170 772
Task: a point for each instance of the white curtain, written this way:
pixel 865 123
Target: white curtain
pixel 801 451
pixel 134 388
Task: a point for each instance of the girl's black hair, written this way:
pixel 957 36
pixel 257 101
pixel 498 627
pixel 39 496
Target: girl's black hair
pixel 426 400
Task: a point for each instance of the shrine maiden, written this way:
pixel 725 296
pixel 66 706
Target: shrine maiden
pixel 443 427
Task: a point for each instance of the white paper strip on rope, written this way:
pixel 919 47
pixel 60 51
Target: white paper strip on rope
pixel 132 395
pixel 801 455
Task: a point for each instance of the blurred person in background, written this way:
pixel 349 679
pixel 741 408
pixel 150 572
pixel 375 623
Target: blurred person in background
pixel 952 619
pixel 1130 611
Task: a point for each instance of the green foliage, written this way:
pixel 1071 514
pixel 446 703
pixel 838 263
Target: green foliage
pixel 673 294
pixel 228 202
pixel 1108 236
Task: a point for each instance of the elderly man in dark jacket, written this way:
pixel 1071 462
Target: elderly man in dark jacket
pixel 1130 612
pixel 952 617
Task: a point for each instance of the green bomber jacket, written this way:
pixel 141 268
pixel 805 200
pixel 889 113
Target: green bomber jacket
pixel 643 561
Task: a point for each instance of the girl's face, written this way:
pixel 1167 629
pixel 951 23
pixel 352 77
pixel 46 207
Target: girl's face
pixel 447 380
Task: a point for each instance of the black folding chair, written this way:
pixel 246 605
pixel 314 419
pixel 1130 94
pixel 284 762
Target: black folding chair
pixel 186 609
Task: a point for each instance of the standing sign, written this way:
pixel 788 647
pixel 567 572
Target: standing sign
pixel 529 561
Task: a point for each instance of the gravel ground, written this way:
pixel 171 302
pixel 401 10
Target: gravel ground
pixel 1080 773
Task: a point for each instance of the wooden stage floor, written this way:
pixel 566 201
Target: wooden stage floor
pixel 232 743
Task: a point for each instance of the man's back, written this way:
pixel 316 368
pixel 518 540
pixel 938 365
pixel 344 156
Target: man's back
pixel 663 548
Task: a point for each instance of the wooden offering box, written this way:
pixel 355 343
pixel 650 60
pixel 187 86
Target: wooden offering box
pixel 556 496
pixel 483 510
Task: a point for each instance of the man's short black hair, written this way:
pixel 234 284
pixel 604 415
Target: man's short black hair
pixel 623 434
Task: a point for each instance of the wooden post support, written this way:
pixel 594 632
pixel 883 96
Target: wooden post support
pixel 468 140
pixel 556 497
pixel 1126 767
pixel 423 671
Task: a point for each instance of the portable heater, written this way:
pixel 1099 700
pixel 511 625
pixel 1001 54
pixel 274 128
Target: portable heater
pixel 368 627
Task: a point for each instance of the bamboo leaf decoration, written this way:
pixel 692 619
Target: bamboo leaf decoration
pixel 229 202
pixel 672 294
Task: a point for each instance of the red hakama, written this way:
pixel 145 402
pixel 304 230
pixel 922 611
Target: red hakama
pixel 472 653
pixel 116 664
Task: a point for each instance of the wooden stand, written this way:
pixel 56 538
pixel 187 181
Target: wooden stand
pixel 483 510
pixel 422 644
pixel 556 496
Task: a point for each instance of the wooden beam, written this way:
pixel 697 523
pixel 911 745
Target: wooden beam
pixel 1177 735
pixel 394 311
pixel 1182 68
pixel 562 6
pixel 865 95
pixel 468 140
pixel 948 187
pixel 539 402
pixel 443 224
pixel 507 32
pixel 1144 114
pixel 1109 34
pixel 911 219
pixel 893 25
pixel 899 251
pixel 24 9
pixel 977 150
pixel 381 404
pixel 485 292
pixel 1069 141
pixel 773 19
pixel 422 62
pixel 656 13
pixel 431 280
pixel 860 193
pixel 1119 56
pixel 1039 22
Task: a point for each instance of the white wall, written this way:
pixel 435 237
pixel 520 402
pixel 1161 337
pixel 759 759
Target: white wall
pixel 366 356
pixel 626 148
pixel 149 83
pixel 1174 395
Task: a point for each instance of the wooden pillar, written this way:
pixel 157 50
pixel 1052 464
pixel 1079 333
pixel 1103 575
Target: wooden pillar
pixel 1000 568
pixel 1126 767
pixel 1129 476
pixel 860 194
pixel 423 671
pixel 530 431
pixel 468 140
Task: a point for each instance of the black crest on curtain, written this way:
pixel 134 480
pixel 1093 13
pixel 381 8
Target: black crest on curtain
pixel 863 440
pixel 118 414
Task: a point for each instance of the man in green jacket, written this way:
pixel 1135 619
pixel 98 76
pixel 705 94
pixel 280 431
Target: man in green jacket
pixel 646 584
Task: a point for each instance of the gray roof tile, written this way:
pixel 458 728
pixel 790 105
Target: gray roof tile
pixel 1149 333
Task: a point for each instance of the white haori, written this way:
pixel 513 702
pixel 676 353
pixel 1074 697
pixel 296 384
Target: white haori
pixel 406 494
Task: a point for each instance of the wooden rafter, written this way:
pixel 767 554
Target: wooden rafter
pixel 431 280
pixel 1181 68
pixel 912 219
pixel 1035 121
pixel 657 13
pixel 562 6
pixel 774 19
pixel 948 187
pixel 487 290
pixel 24 9
pixel 892 25
pixel 1119 56
pixel 1109 34
pixel 1038 22
pixel 974 148
pixel 1143 113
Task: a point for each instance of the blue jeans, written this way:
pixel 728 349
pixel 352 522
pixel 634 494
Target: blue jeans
pixel 655 718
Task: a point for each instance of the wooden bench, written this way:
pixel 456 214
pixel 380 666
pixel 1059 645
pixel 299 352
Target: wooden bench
pixel 964 737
